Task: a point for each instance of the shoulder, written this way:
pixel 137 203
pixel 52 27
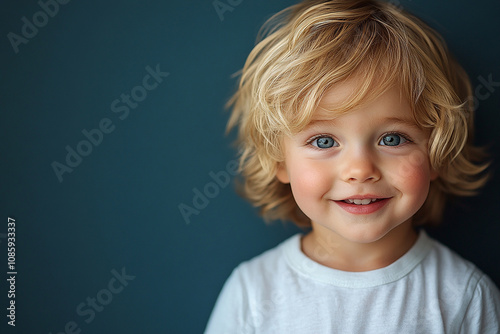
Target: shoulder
pixel 482 313
pixel 452 267
pixel 264 267
pixel 462 288
pixel 447 261
pixel 250 286
pixel 456 275
pixel 264 271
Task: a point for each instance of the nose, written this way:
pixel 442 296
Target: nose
pixel 360 167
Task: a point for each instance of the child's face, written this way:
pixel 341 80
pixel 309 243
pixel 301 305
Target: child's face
pixel 373 154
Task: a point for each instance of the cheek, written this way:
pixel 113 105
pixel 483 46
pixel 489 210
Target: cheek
pixel 412 175
pixel 309 181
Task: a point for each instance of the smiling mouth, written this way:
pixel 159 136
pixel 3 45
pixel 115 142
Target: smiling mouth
pixel 363 206
pixel 364 201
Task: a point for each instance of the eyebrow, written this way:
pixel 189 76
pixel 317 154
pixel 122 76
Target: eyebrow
pixel 403 121
pixel 397 120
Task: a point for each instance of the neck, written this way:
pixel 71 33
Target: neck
pixel 332 250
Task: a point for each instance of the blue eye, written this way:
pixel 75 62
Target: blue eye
pixel 392 139
pixel 324 142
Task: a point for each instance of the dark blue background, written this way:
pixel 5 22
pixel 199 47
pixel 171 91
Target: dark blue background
pixel 119 207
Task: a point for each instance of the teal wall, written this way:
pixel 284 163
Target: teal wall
pixel 112 117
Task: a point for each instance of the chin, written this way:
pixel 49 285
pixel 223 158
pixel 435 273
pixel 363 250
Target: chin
pixel 366 238
pixel 366 235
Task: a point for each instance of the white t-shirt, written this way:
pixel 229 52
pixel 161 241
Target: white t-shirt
pixel 428 290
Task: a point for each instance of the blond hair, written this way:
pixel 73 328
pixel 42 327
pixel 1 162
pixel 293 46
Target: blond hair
pixel 309 47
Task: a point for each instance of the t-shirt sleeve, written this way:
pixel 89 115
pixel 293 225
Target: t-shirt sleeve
pixel 230 314
pixel 483 313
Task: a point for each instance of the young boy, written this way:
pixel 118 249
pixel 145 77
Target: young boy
pixel 355 121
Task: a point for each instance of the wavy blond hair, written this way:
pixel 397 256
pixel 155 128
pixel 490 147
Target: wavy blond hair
pixel 306 49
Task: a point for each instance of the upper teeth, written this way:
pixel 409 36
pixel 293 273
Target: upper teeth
pixel 361 201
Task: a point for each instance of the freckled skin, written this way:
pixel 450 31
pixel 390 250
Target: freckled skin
pixel 359 163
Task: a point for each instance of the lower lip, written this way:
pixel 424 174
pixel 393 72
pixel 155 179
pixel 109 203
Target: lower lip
pixel 363 209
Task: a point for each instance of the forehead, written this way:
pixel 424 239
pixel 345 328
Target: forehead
pixel 351 95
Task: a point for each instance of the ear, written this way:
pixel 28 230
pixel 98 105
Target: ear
pixel 434 174
pixel 282 173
